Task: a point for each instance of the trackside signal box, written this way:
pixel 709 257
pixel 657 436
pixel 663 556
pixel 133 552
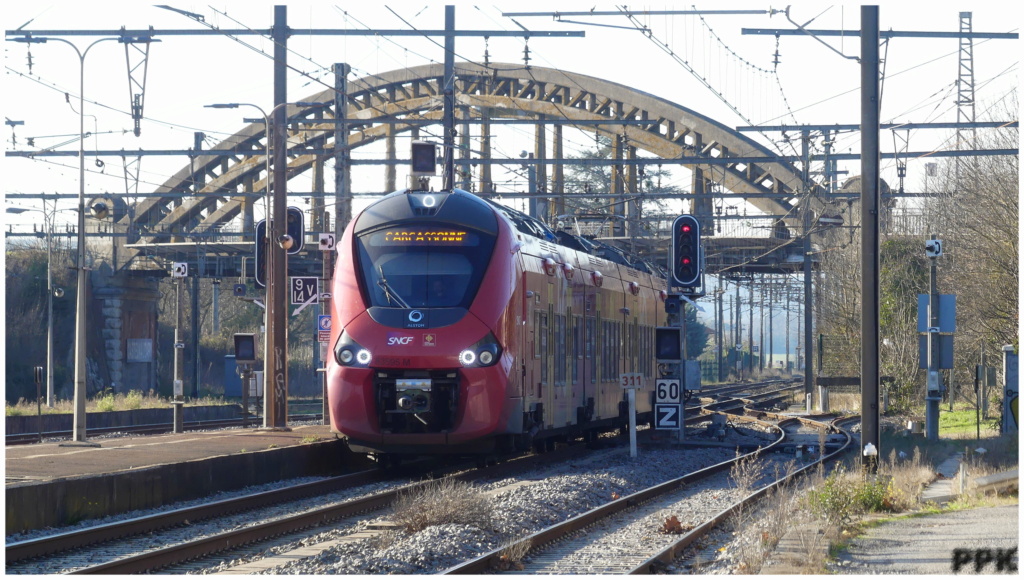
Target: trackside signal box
pixel 668 346
pixel 245 348
pixel 424 159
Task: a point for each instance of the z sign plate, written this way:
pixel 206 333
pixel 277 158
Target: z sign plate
pixel 666 416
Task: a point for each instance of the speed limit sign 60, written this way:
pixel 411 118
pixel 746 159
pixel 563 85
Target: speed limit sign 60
pixel 668 391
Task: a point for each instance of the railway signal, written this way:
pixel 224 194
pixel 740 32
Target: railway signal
pixel 687 262
pixel 295 227
pixel 424 159
pixel 261 254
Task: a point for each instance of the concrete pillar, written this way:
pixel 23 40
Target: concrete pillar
pixel 390 169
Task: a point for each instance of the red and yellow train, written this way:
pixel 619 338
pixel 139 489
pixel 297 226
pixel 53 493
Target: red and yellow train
pixel 462 326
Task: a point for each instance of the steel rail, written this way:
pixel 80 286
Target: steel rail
pixel 658 562
pixel 236 538
pixel 18 551
pixel 491 559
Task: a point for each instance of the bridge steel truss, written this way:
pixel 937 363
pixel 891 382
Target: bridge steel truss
pixel 215 188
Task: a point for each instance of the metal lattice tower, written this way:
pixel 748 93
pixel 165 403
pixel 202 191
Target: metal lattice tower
pixel 965 87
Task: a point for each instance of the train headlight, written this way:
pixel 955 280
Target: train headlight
pixel 486 358
pixel 484 353
pixel 346 357
pixel 363 357
pixel 349 353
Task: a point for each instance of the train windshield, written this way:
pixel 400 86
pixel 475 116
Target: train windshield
pixel 423 266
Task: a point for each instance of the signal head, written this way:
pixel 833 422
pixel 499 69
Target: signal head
pixel 686 264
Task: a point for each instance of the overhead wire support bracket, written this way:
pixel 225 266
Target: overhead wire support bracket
pixel 803 29
pixel 136 99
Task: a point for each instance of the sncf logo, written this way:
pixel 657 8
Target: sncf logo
pixel 398 339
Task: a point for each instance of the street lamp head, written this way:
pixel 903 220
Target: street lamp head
pixel 222 106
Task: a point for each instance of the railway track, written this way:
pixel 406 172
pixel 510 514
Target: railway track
pixel 248 538
pixel 599 540
pixel 23 557
pixel 158 428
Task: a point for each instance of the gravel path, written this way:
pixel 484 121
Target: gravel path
pixel 929 544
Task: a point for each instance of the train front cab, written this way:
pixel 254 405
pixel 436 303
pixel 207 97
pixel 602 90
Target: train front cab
pixel 417 371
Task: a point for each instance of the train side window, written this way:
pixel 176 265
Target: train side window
pixel 604 350
pixel 577 347
pixel 608 350
pixel 590 351
pixel 542 344
pixel 628 348
pixel 559 349
pixel 616 350
pixel 645 350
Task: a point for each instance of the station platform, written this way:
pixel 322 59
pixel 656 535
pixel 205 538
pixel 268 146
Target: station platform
pixel 42 462
pixel 50 484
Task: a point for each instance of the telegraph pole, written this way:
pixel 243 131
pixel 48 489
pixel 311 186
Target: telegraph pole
pixel 934 381
pixel 808 289
pixel 179 359
pixel 870 161
pixel 275 396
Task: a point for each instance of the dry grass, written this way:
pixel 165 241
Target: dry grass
pixel 106 402
pixel 834 504
pixel 443 501
pixel 909 476
pixel 745 474
pixel 844 403
pixel 1000 454
pixel 511 556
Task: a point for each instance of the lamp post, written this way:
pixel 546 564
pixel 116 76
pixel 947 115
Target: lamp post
pixel 275 360
pixel 78 432
pixel 50 293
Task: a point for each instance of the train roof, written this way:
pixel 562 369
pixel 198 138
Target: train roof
pixel 532 226
pixel 391 205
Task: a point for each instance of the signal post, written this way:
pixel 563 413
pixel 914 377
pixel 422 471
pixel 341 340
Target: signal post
pixel 686 273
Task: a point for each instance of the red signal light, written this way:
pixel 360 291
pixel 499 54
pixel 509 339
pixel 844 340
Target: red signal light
pixel 686 228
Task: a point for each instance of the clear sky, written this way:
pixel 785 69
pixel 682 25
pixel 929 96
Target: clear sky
pixel 819 84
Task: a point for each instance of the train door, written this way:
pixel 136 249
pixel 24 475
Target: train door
pixel 534 336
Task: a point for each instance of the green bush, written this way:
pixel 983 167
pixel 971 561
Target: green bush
pixel 834 501
pixel 133 400
pixel 106 403
pixel 874 496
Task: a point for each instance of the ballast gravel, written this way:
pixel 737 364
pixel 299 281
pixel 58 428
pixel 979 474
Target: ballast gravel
pixel 544 498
